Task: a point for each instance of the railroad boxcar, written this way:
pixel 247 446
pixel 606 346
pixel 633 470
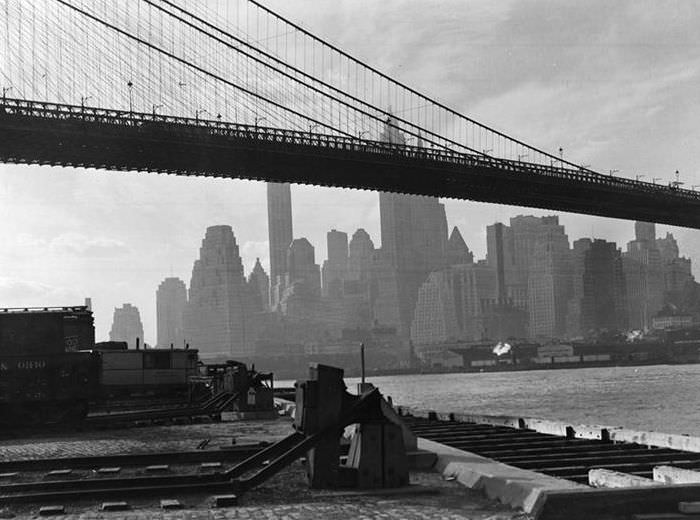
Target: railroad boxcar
pixel 44 376
pixel 151 371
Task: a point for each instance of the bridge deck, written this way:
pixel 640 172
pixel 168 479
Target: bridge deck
pixel 67 135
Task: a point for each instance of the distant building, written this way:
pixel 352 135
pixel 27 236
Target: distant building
pixel 259 286
pixel 219 303
pixel 127 326
pixel 457 251
pixel 677 270
pixel 671 317
pixel 279 227
pixel 454 304
pixel 644 276
pixel 599 300
pixel 335 269
pixel 414 243
pixel 549 280
pixel 360 255
pixel 171 300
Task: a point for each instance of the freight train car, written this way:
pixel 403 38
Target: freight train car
pixel 43 375
pixel 152 371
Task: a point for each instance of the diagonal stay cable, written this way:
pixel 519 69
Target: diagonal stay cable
pixel 417 93
pixel 308 76
pixel 200 69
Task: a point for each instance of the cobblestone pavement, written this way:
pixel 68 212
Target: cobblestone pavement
pixel 143 439
pixel 287 496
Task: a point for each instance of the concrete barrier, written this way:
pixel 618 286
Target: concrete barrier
pixel 513 486
pixel 672 475
pixel 661 440
pixel 605 478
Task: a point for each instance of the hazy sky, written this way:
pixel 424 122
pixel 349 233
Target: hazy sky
pixel 616 84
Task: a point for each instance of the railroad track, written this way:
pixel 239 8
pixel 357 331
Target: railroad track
pixel 558 456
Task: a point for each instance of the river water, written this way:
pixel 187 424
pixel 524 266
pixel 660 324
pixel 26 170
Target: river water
pixel 657 398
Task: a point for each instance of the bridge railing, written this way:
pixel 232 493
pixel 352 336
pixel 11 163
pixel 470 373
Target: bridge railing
pixel 194 126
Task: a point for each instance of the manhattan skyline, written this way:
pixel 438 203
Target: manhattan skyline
pixel 615 90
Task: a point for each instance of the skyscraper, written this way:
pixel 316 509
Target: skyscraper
pixel 414 243
pixel 335 268
pixel 457 251
pixel 171 300
pixel 126 325
pixel 603 302
pixel 259 285
pixel 279 227
pixel 219 303
pixel 549 280
pixel 360 253
pixel 644 275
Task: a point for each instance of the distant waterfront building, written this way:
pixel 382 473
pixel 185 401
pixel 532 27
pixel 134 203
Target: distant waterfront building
pixel 127 326
pixel 335 269
pixel 219 304
pixel 259 286
pixel 644 276
pixel 549 280
pixel 171 300
pixel 279 227
pixel 599 290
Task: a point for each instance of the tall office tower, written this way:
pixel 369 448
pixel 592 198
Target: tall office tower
pixel 414 243
pixel 171 300
pixel 279 228
pixel 549 281
pixel 677 270
pixel 644 275
pixel 335 269
pixel 126 325
pixel 219 303
pixel 573 315
pixel 302 267
pixel 645 231
pixel 435 318
pixel 457 251
pixel 603 297
pixel 452 304
pixel 360 253
pixel 259 285
pixel 499 256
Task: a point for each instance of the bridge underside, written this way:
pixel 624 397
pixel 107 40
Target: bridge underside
pixel 201 152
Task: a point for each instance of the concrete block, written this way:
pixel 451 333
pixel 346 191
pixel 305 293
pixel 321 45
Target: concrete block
pixel 109 471
pixel 114 506
pixel 170 504
pixel 59 473
pixel 672 475
pixel 225 500
pixel 513 486
pixel 421 459
pixel 52 510
pixel 605 478
pixel 661 440
pixel 210 466
pixel 156 468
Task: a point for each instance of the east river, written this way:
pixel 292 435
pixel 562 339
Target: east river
pixel 659 398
